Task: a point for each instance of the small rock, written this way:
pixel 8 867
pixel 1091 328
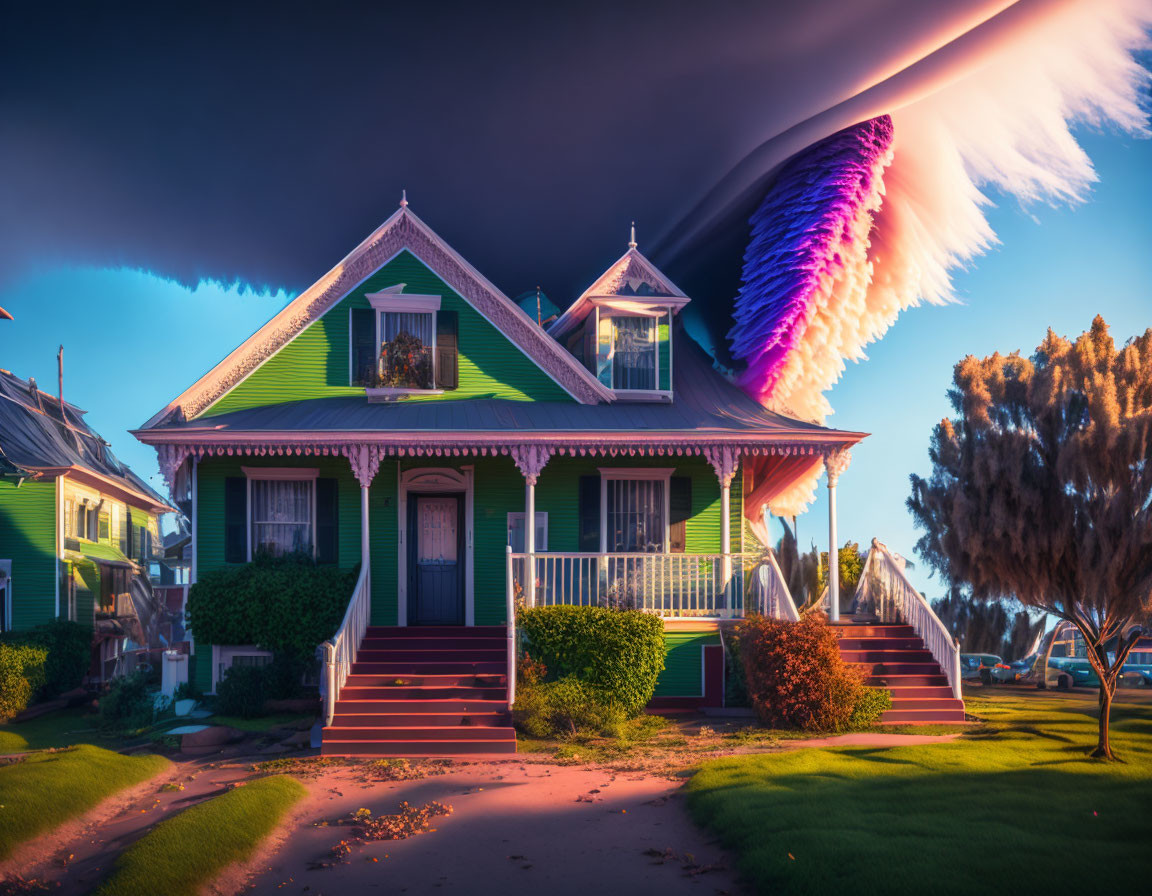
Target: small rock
pixel 208 740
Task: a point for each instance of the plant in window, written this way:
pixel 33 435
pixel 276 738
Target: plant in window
pixel 405 361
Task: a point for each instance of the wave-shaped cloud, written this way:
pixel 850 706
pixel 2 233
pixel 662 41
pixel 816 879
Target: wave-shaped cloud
pixel 844 241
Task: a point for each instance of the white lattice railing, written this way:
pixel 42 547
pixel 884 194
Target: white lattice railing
pixel 667 584
pixel 772 594
pixel 885 590
pixel 339 653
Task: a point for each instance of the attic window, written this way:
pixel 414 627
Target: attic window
pixel 404 342
pixel 634 353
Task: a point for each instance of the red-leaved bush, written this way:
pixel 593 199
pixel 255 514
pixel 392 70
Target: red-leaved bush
pixel 796 677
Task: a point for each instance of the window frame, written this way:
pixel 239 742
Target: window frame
pixel 636 474
pixel 654 326
pixel 541 517
pixel 280 474
pixel 392 300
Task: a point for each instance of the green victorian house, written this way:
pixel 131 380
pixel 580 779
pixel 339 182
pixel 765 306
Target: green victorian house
pixel 79 531
pixel 404 414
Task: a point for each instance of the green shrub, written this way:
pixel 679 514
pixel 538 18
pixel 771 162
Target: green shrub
pixel 287 605
pixel 795 675
pixel 21 676
pixel 242 692
pixel 129 703
pixel 69 646
pixel 617 653
pixel 870 705
pixel 565 708
pixel 69 649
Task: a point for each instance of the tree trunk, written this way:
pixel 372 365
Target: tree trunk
pixel 1103 747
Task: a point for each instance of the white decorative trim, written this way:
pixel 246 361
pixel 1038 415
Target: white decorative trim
pixel 836 462
pixel 403 230
pixel 656 395
pixel 403 302
pixel 725 461
pixel 170 458
pixel 365 461
pixel 530 460
pixel 631 267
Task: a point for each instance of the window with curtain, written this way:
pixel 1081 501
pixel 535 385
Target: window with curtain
pixel 406 350
pixel 635 515
pixel 282 516
pixel 634 353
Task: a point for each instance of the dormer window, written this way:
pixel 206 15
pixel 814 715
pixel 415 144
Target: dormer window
pixel 634 353
pixel 403 343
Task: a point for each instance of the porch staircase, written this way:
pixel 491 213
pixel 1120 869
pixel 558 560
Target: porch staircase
pixel 422 692
pixel 895 658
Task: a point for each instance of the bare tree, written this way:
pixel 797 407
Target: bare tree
pixel 1041 489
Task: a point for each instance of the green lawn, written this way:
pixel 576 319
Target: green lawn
pixel 64 728
pixel 1013 806
pixel 43 790
pixel 184 852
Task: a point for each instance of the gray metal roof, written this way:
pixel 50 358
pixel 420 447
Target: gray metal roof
pixel 37 432
pixel 705 402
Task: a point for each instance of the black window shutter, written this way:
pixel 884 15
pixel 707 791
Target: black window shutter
pixel 235 519
pixel 589 502
pixel 129 536
pixel 327 516
pixel 364 349
pixel 680 509
pixel 447 353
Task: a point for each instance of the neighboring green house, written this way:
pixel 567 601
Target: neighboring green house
pixel 78 529
pixel 404 414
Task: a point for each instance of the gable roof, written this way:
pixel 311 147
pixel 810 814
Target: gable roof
pixel 40 435
pixel 632 276
pixel 402 231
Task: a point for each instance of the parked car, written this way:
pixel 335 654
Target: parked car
pixel 979 667
pixel 1072 671
pixel 1137 672
pixel 1013 671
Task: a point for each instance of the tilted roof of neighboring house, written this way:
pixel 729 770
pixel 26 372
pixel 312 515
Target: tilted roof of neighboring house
pixel 40 435
pixel 706 404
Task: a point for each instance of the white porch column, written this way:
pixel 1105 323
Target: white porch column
pixel 365 461
pixel 724 461
pixel 530 460
pixel 835 463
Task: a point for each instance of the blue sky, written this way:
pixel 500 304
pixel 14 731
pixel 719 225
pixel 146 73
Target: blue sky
pixel 133 340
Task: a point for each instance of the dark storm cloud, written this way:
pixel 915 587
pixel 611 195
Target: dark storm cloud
pixel 262 143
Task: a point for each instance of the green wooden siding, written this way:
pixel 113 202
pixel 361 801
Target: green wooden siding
pixel 316 363
pixel 683 674
pixel 384 544
pixel 664 347
pixel 210 510
pixel 28 539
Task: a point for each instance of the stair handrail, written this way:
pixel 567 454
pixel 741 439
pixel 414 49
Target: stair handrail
pixel 510 611
pixel 775 592
pixel 339 652
pixel 917 612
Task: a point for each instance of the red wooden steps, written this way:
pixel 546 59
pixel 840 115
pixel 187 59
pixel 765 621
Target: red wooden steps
pixel 895 658
pixel 425 691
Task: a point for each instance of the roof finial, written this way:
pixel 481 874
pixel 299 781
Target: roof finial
pixel 403 199
pixel 632 242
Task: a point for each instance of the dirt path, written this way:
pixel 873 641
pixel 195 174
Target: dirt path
pixel 79 854
pixel 515 827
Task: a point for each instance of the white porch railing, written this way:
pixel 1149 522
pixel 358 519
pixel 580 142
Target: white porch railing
pixel 667 584
pixel 510 615
pixel 339 653
pixel 886 591
pixel 773 597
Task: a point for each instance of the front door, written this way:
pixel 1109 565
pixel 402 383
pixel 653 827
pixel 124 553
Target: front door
pixel 436 559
